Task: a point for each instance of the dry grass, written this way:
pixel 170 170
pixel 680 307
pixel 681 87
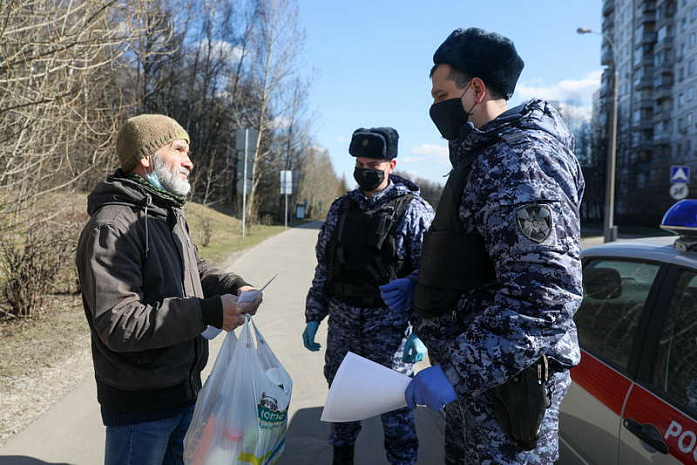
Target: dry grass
pixel 41 360
pixel 226 237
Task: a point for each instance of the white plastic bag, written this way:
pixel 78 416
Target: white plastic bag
pixel 242 411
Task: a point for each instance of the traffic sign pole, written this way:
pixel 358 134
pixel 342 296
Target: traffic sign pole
pixel 244 185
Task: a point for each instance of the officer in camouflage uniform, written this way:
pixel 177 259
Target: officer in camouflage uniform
pixel 500 276
pixel 371 236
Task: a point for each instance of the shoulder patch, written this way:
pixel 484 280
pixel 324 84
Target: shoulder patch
pixel 514 137
pixel 534 222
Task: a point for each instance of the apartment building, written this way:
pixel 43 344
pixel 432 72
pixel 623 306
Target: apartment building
pixel 654 46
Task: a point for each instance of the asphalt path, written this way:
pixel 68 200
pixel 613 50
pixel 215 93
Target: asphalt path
pixel 71 432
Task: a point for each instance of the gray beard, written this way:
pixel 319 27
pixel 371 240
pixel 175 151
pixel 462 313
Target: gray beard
pixel 170 179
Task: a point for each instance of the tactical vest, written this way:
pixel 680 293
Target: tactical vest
pixel 452 261
pixel 362 253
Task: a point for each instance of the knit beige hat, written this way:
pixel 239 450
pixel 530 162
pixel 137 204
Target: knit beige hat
pixel 143 135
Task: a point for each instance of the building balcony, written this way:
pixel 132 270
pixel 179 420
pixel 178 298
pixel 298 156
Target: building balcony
pixel 608 7
pixel 647 69
pixel 666 43
pixel 606 58
pixel 661 139
pixel 643 83
pixel 648 37
pixel 644 124
pixel 665 68
pixel 645 5
pixel 662 92
pixel 644 144
pixel 661 115
pixel 645 103
pixel 671 8
pixel 664 80
pixel 648 17
pixel 608 24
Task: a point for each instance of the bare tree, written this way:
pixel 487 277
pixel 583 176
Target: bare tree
pixel 320 184
pixel 277 39
pixel 59 97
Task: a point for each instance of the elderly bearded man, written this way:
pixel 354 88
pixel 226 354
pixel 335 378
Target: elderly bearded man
pixel 148 296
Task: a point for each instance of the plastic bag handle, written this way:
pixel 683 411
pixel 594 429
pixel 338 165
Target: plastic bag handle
pixel 246 333
pixel 260 338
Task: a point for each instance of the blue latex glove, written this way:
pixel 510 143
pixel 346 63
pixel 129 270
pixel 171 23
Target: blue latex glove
pixel 309 336
pixel 414 349
pixel 430 387
pixel 398 294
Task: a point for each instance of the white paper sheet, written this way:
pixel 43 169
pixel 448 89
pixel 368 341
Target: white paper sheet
pixel 363 389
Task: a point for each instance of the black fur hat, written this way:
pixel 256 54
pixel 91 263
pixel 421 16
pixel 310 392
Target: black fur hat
pixel 486 55
pixel 378 143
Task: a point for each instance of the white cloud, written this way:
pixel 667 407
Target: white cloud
pixel 569 90
pixel 576 113
pixel 222 49
pixel 341 139
pixel 439 153
pixel 279 123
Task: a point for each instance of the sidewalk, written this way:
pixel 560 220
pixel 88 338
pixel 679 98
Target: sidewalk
pixel 71 433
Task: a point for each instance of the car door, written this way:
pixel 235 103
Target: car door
pixel 610 322
pixel 659 417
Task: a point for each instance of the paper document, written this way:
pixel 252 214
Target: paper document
pixel 245 296
pixel 362 389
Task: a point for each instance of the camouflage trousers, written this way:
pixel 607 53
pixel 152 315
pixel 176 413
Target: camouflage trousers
pixel 473 435
pixel 377 336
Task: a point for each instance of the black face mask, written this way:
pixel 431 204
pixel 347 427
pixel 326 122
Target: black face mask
pixel 368 179
pixel 449 116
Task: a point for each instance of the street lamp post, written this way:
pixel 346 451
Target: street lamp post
pixel 609 228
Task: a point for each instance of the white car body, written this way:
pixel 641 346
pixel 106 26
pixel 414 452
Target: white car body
pixel 633 399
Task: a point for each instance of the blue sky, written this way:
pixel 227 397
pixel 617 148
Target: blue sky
pixel 369 62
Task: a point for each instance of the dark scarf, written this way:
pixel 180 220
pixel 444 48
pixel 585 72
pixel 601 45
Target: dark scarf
pixel 177 200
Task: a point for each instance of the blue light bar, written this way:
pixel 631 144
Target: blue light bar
pixel 681 218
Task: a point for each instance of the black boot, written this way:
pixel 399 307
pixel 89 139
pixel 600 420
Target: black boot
pixel 343 455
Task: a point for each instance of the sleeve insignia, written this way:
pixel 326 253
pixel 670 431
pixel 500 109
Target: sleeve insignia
pixel 534 222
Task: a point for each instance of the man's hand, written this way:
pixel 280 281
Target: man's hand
pixel 309 336
pixel 398 294
pixel 246 288
pixel 249 299
pixel 430 387
pixel 233 313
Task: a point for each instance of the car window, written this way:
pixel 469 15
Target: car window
pixel 615 292
pixel 675 371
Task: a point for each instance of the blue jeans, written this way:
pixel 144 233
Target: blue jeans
pixel 158 442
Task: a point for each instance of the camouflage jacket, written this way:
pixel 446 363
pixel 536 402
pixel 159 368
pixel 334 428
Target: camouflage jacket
pixel 522 195
pixel 408 238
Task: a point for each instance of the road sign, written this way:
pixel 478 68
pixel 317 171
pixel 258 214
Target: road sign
pixel 241 170
pixel 679 190
pixel 251 138
pixel 240 186
pixel 286 182
pixel 679 173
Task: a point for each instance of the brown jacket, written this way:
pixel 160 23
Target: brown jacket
pixel 147 297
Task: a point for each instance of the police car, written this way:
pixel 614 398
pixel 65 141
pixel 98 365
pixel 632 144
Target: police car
pixel 634 395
